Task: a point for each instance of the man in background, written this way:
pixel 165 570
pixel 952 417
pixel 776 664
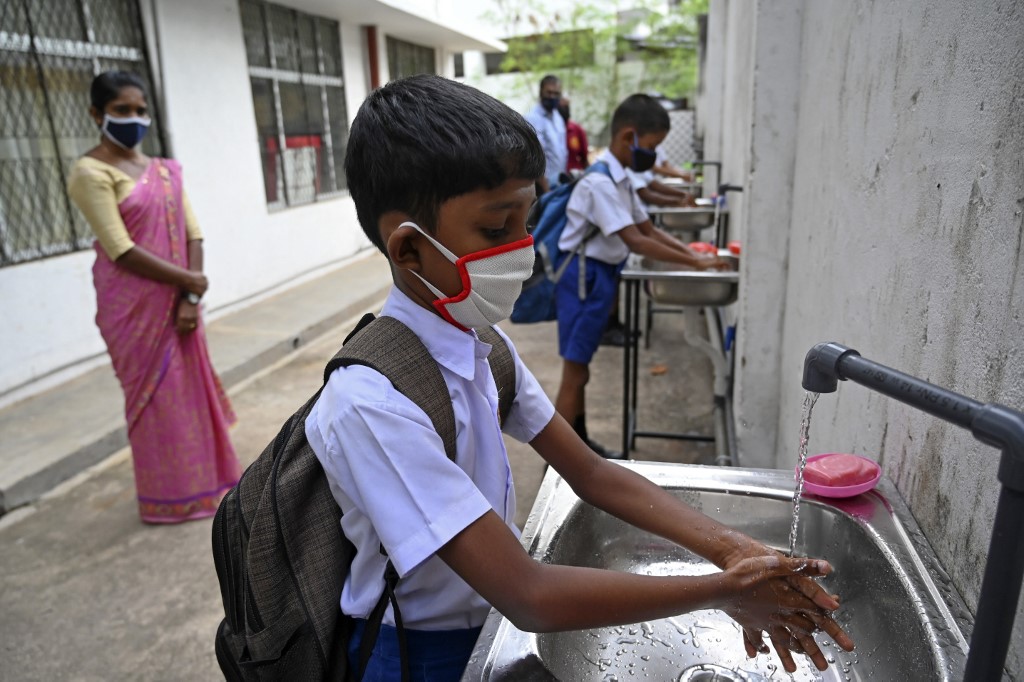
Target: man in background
pixel 550 127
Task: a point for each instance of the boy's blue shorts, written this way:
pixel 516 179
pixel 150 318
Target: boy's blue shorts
pixel 581 323
pixel 434 655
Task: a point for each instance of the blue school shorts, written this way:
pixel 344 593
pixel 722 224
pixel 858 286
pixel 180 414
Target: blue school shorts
pixel 581 323
pixel 434 655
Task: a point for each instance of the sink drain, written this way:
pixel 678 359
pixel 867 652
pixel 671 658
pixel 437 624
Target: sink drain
pixel 709 672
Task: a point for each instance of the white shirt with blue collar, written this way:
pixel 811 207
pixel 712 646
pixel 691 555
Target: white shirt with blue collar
pixel 388 470
pixel 609 203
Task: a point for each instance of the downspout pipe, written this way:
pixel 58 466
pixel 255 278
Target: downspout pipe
pixel 373 56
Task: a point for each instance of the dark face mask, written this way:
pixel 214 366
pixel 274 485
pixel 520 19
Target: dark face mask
pixel 643 158
pixel 124 132
pixel 549 103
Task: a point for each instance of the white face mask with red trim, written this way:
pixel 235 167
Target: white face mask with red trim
pixel 491 282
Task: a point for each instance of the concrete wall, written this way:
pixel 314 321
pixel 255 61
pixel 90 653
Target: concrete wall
pixel 905 205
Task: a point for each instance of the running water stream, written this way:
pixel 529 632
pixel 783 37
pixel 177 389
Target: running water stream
pixel 805 429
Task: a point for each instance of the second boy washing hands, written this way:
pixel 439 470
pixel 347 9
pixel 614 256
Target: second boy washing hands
pixel 442 177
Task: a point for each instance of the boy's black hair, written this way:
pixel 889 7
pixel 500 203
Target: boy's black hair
pixel 643 113
pixel 108 85
pixel 420 141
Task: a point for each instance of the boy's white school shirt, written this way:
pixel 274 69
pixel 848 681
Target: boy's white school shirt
pixel 388 471
pixel 609 203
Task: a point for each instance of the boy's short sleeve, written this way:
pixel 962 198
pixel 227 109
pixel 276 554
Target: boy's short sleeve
pixel 606 208
pixel 381 450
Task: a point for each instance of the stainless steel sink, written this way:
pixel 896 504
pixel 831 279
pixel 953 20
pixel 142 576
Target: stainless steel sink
pixel 675 285
pixel 898 605
pixel 690 219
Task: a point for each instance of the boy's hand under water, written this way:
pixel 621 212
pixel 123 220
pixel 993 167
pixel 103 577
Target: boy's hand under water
pixel 777 594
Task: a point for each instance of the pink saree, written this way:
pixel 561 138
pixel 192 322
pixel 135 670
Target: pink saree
pixel 177 412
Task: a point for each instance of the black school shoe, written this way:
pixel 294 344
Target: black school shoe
pixel 615 335
pixel 605 452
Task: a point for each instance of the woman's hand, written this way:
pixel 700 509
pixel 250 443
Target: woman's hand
pixel 188 317
pixel 195 282
pixel 776 593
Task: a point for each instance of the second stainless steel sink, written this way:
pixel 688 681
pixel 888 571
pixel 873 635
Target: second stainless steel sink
pixel 672 284
pixel 688 219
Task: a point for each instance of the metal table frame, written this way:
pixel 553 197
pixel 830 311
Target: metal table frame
pixel 632 279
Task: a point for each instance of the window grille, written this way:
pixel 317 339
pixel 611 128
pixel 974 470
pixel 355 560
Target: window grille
pixel 50 50
pixel 409 59
pixel 299 99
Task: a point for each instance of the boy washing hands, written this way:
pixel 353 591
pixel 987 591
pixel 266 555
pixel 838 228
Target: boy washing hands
pixel 442 177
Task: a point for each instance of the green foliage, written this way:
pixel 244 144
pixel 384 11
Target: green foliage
pixel 603 50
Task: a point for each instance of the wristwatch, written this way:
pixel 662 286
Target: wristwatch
pixel 192 297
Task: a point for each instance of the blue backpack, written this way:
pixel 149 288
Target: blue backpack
pixel 537 301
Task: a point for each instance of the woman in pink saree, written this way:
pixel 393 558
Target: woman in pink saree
pixel 148 279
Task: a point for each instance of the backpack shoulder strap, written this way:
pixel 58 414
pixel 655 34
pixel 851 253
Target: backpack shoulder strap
pixel 503 367
pixel 389 347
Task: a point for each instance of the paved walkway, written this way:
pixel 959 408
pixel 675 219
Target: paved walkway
pixel 52 436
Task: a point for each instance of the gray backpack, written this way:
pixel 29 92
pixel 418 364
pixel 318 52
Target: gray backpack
pixel 278 547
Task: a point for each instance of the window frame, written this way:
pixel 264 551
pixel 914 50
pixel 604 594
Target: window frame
pixel 322 80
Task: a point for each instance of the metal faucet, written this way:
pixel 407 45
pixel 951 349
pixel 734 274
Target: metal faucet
pixel 993 425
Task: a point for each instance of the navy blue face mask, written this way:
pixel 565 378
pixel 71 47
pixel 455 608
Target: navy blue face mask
pixel 549 103
pixel 125 132
pixel 643 158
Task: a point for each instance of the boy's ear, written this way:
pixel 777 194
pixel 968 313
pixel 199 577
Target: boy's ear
pixel 400 242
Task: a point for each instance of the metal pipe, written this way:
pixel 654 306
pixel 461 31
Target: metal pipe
pixel 1000 590
pixel 722 455
pixel 993 424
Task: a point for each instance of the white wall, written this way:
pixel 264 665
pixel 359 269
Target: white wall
pixel 46 321
pixel 210 110
pixel 769 155
pixel 905 239
pixel 711 95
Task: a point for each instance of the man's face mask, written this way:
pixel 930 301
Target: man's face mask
pixel 491 282
pixel 643 158
pixel 124 132
pixel 550 103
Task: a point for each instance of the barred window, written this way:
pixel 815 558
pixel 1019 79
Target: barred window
pixel 299 98
pixel 409 59
pixel 50 50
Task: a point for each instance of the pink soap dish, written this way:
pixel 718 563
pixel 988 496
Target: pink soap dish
pixel 844 490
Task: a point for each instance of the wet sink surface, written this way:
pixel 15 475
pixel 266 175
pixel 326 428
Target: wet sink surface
pixel 899 607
